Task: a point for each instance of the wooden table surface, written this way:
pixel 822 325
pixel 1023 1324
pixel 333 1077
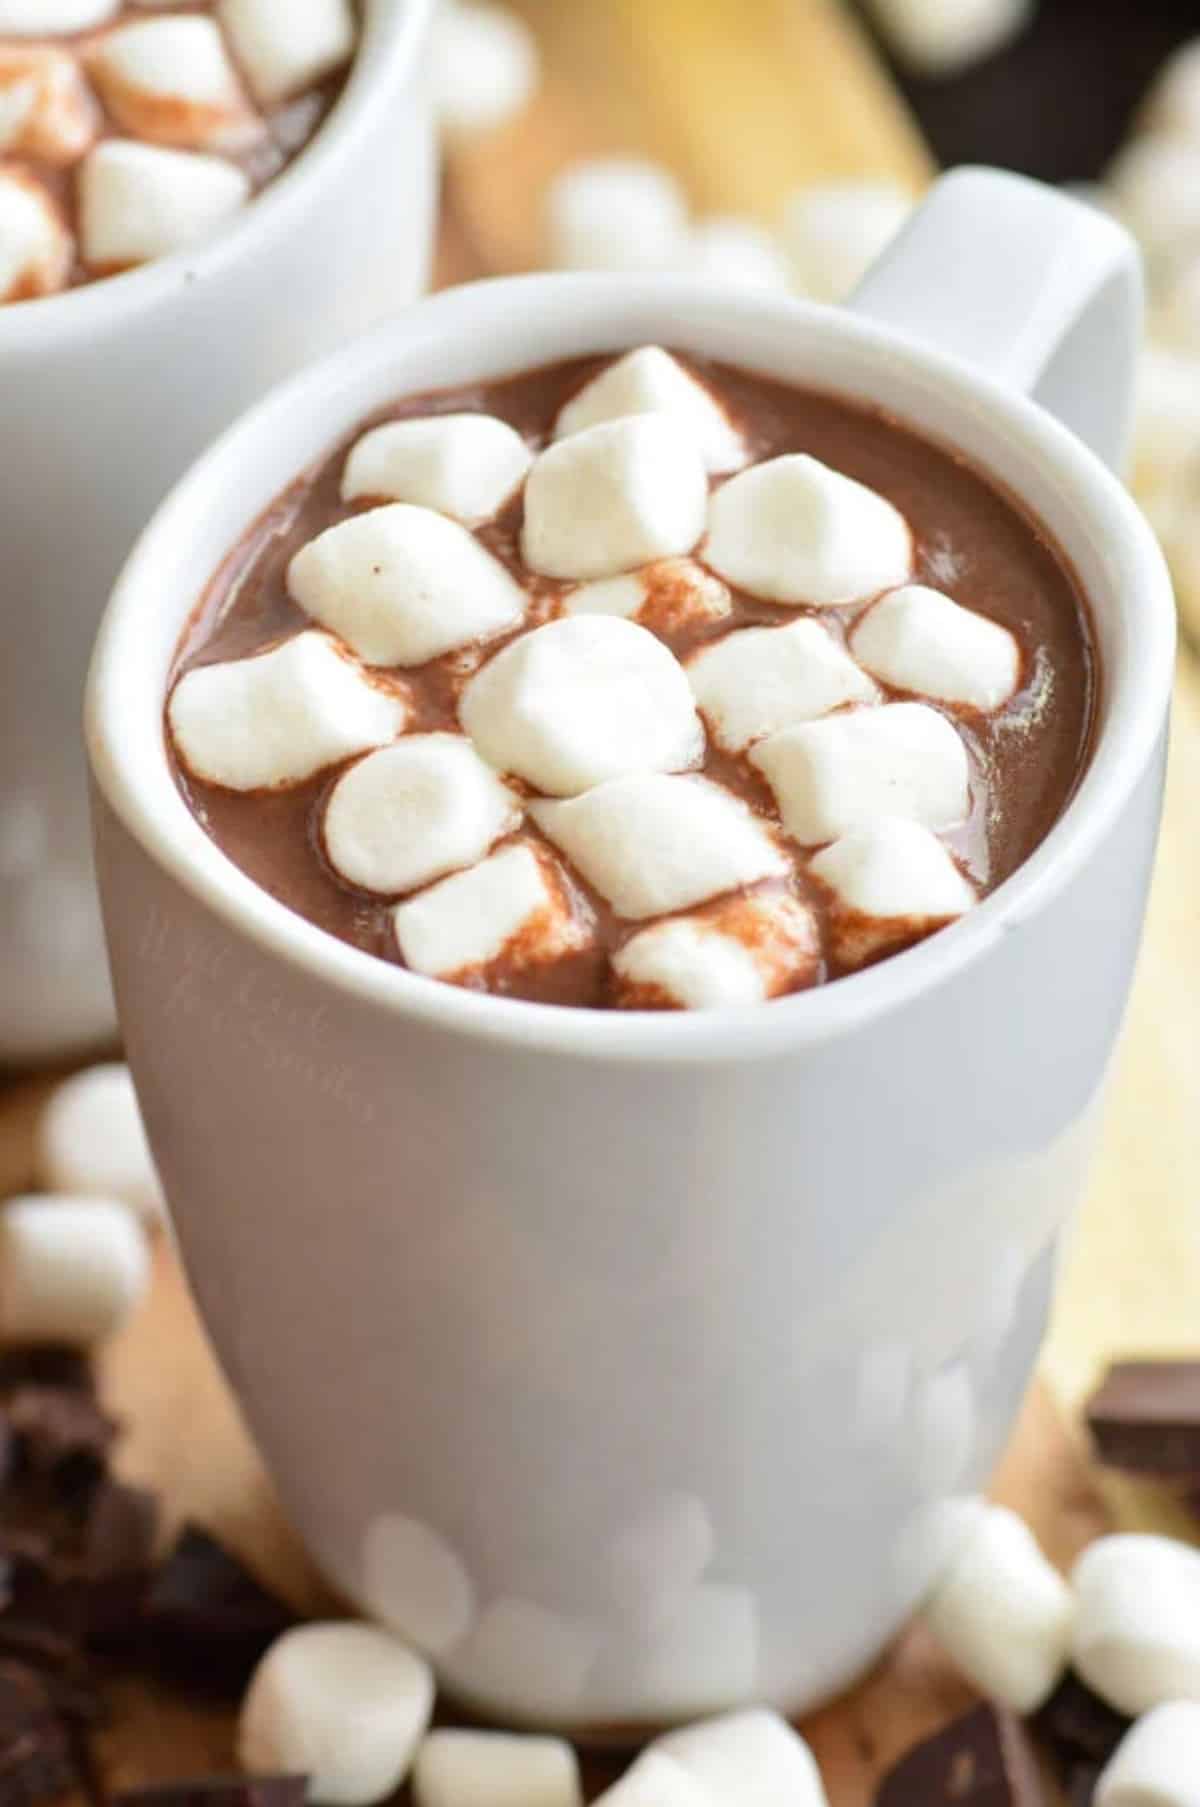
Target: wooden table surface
pixel 745 99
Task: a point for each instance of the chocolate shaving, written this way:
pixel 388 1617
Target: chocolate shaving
pixel 60 1443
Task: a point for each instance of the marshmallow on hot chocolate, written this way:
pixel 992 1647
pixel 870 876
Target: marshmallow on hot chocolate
pixel 671 593
pixel 169 80
pixel 495 1769
pixel 748 950
pixel 1157 1763
pixel 753 1758
pixel 793 530
pixel 71 1269
pixel 47 109
pixel 140 201
pixel 1137 1625
pixel 845 771
pixel 276 718
pixel 614 496
pixel 512 905
pixel 656 1780
pixel 49 18
pixel 653 844
pixel 91 1141
pixel 615 213
pixel 917 639
pixel 462 465
pixel 893 879
pixel 401 585
pixel 414 811
pixel 36 249
pixel 345 1705
pixel 761 679
pixel 582 700
pixel 651 381
pixel 833 234
pixel 287 45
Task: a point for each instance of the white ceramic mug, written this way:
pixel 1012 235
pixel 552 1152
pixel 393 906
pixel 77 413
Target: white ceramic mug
pixel 107 392
pixel 627 1363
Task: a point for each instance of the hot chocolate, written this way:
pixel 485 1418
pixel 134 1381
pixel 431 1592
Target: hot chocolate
pixel 636 682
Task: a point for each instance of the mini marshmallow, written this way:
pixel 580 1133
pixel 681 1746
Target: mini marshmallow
pixel 512 904
pixel 345 1705
pixel 748 950
pixel 49 18
pixel 845 771
pixel 462 465
pixel 580 701
pixel 700 1657
pixel 1173 104
pixel 495 1769
pixel 655 1780
pixel 278 717
pixel 91 1141
pixel 414 812
pixel 613 497
pixel 287 45
pixel 917 639
pixel 485 68
pixel 754 1758
pixel 1137 1626
pixel 169 80
pixel 661 1554
pixel 615 213
pixel 72 1270
pixel 671 594
pixel 654 844
pixel 401 585
pixel 47 109
pixel 726 249
pixel 1157 1763
pixel 36 249
pixel 792 530
pixel 894 881
pixel 944 37
pixel 1156 182
pixel 762 679
pixel 1003 1614
pixel 833 234
pixel 415 1584
pixel 526 1660
pixel 651 381
pixel 139 201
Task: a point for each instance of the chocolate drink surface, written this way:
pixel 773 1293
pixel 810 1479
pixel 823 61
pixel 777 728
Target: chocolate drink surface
pixel 670 686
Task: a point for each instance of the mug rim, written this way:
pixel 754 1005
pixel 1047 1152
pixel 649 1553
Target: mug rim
pixel 392 34
pixel 1136 703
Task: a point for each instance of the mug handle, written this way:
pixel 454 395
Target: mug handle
pixel 1041 292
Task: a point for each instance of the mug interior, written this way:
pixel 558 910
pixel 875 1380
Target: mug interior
pixel 497 329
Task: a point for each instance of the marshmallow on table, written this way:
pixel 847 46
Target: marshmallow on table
pixel 615 213
pixel 169 80
pixel 893 880
pixel 653 844
pixel 918 639
pixel 656 1780
pixel 843 772
pixel 1173 104
pixel 415 1584
pixel 512 905
pixel 462 465
pixel 485 68
pixel 762 679
pixel 36 250
pixel 91 1141
pixel 46 18
pixel 833 234
pixel 612 497
pixel 580 701
pixel 1002 1614
pixel 753 1758
pixel 414 811
pixel 140 201
pixel 794 531
pixel 286 45
pixel 943 37
pixel 525 1659
pixel 650 381
pixel 1156 182
pixel 747 950
pixel 402 584
pixel 495 1769
pixel 1137 1626
pixel 672 593
pixel 727 249
pixel 280 716
pixel 345 1705
pixel 47 109
pixel 71 1269
pixel 1157 1763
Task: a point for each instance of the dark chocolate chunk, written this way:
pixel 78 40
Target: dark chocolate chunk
pixel 208 1620
pixel 36 1759
pixel 46 1365
pixel 1145 1418
pixel 219 1791
pixel 984 1759
pixel 1078 1726
pixel 61 1441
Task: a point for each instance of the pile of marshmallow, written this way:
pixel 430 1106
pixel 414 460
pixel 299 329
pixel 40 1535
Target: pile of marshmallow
pixel 586 725
pixel 147 117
